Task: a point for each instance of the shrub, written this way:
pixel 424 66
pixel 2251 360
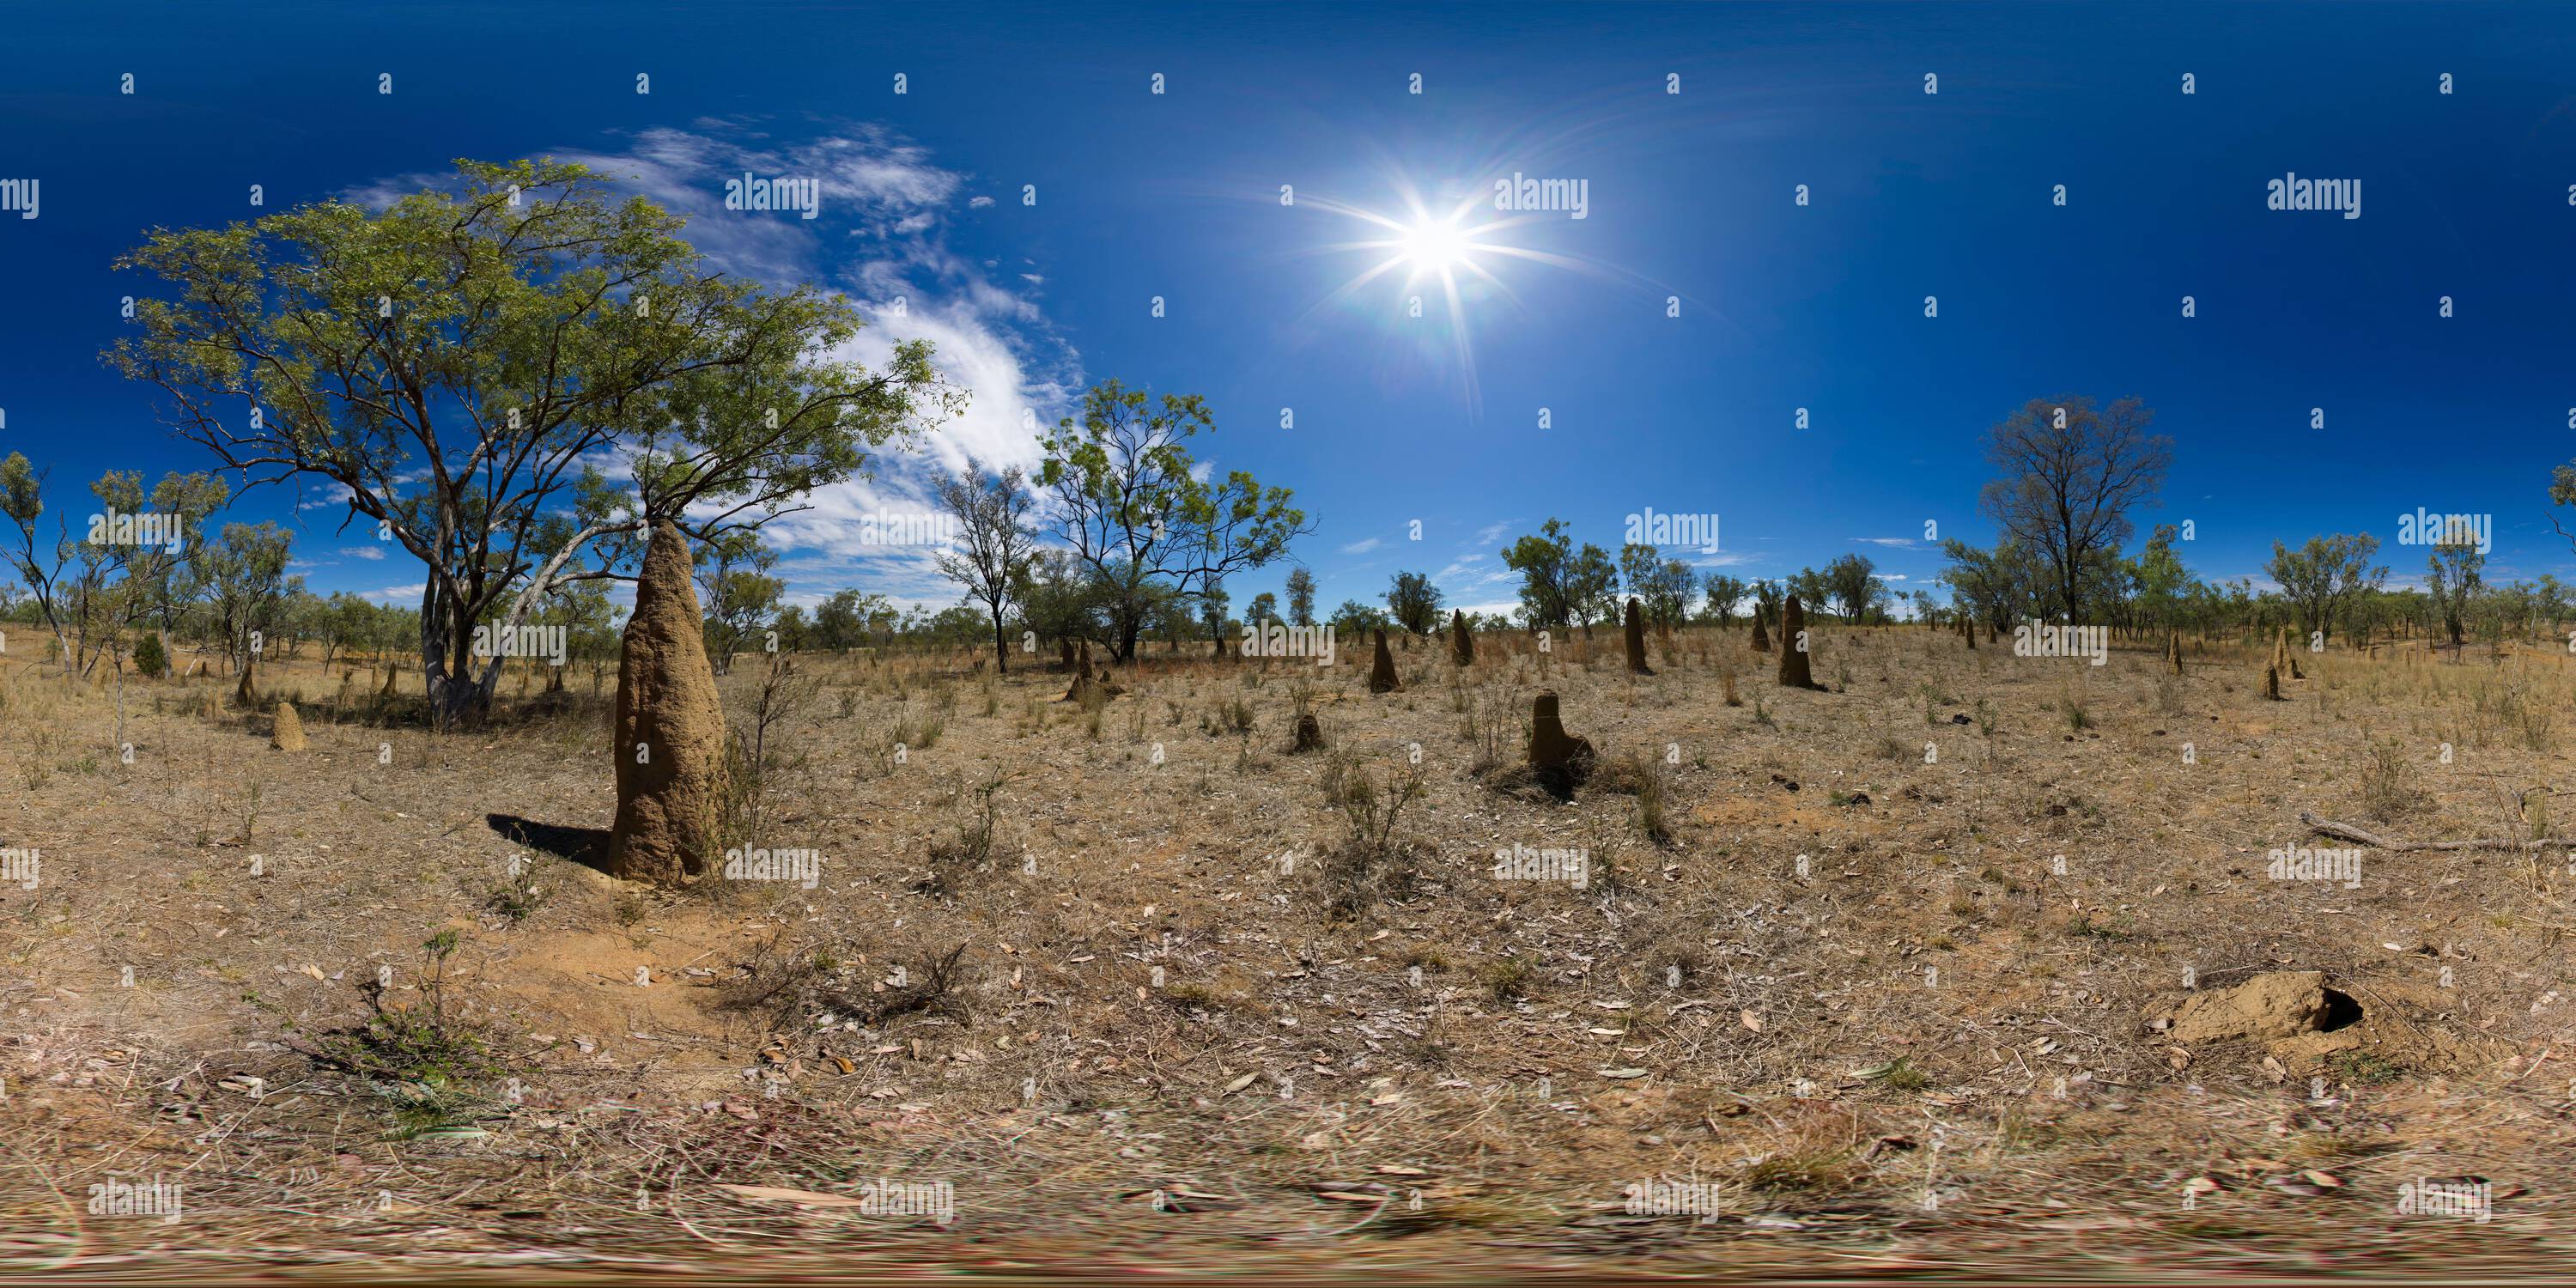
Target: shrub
pixel 1369 864
pixel 2388 789
pixel 953 863
pixel 150 658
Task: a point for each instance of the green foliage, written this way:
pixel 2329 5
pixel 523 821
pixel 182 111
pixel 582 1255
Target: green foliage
pixel 2321 575
pixel 1546 565
pixel 453 360
pixel 1852 582
pixel 1724 593
pixel 149 657
pixel 1664 587
pixel 1413 602
pixel 1356 618
pixel 418 1056
pixel 1130 503
pixel 1301 597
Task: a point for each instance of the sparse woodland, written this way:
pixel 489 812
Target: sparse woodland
pixel 1408 930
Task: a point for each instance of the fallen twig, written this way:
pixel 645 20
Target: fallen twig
pixel 2350 833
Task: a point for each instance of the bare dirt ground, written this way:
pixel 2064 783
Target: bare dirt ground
pixel 1182 999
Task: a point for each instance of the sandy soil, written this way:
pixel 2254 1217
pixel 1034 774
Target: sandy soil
pixel 1825 982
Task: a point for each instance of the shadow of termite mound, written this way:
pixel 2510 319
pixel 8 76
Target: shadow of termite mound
pixel 587 846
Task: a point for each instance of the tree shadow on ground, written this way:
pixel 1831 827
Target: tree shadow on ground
pixel 587 846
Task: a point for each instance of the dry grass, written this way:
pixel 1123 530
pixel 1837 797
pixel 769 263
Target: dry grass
pixel 1134 902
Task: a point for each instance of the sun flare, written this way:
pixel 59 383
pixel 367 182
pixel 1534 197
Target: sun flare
pixel 1435 245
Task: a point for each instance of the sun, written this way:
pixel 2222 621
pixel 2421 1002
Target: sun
pixel 1434 262
pixel 1432 245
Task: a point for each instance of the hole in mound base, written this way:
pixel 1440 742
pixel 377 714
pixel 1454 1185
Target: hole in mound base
pixel 2341 1012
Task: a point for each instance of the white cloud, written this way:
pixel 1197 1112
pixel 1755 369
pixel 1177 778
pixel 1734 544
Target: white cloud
pixel 362 552
pixel 1362 546
pixel 1893 543
pixel 881 240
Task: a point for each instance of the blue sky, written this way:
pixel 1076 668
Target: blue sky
pixel 1689 195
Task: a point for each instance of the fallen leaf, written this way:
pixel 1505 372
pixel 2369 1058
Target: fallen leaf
pixel 1751 1021
pixel 774 1194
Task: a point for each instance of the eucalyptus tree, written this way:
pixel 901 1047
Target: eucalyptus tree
pixel 455 366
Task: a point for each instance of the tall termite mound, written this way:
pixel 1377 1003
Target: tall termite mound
pixel 1637 639
pixel 1559 760
pixel 1382 669
pixel 1080 660
pixel 1795 672
pixel 670 726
